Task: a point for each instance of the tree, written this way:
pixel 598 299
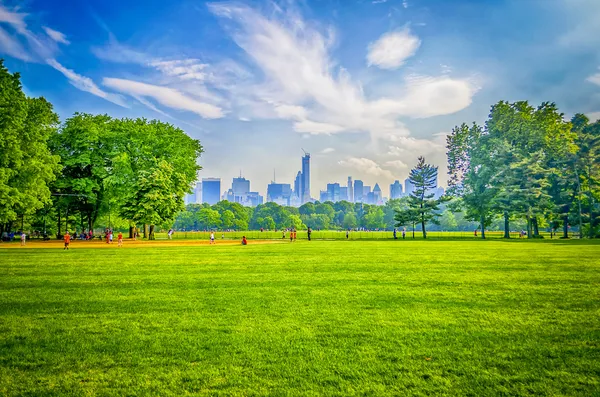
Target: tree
pixel 27 166
pixel 295 222
pixel 143 145
pixel 349 221
pixel 209 218
pixel 471 171
pixel 424 179
pixel 373 219
pixel 408 217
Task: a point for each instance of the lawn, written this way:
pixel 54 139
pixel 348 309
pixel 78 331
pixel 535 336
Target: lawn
pixel 411 318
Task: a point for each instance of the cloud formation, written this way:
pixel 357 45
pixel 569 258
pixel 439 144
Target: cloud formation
pixel 392 49
pixel 166 96
pixel 302 83
pixel 56 36
pixel 366 167
pixel 86 84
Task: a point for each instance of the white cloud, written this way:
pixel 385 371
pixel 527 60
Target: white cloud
pixel 392 49
pixel 366 167
pixel 166 96
pixel 16 19
pixel 398 164
pixel 594 79
pixel 593 116
pixel 186 69
pixel 56 36
pixel 10 46
pixel 327 150
pixel 405 4
pixel 86 84
pixel 320 97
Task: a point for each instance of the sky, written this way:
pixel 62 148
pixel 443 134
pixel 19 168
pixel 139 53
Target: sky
pixel 364 86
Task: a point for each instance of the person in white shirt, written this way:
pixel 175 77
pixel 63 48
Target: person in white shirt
pixel 212 237
pixel 23 238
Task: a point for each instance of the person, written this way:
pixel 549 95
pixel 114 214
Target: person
pixel 347 234
pixel 308 233
pixel 395 236
pixel 212 237
pixel 23 237
pixel 120 239
pixel 475 232
pixel 67 239
pixel 106 236
pixel 403 233
pixel 244 241
pixel 170 234
pixel 283 234
pixel 222 236
pixel 110 235
pixel 291 235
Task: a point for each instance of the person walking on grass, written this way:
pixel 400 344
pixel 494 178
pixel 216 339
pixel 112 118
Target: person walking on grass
pixel 308 233
pixel 403 233
pixel 212 237
pixel 120 239
pixel 170 234
pixel 395 236
pixel 67 239
pixel 110 236
pixel 23 237
pixel 347 234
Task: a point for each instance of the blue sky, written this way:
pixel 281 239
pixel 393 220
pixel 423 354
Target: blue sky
pixel 364 86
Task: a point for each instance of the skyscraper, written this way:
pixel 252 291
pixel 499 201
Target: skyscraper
pixel 240 187
pixel 350 190
pixel 305 188
pixel 211 190
pixel 358 191
pixel 408 186
pixel 343 193
pixel 377 197
pixel 298 185
pixel 395 190
pixel 333 192
pixel 279 193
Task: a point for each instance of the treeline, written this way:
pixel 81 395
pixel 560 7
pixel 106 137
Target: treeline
pixel 318 216
pixel 65 176
pixel 528 163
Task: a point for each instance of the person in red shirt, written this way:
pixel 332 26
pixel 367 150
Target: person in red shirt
pixel 67 239
pixel 244 241
pixel 120 239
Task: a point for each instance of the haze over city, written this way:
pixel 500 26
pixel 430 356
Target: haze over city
pixel 258 81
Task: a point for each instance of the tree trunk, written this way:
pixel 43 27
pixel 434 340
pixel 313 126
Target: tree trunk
pixel 58 235
pixel 592 204
pixel 482 221
pixel 67 219
pixel 145 230
pixel 566 226
pixel 89 221
pixel 130 231
pixel 413 231
pixel 506 225
pixel 536 230
pixel 151 234
pixel 529 226
pixel 423 228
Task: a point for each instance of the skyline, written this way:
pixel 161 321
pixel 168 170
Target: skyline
pixel 255 81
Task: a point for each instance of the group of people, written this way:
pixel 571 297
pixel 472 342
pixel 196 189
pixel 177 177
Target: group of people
pixel 395 234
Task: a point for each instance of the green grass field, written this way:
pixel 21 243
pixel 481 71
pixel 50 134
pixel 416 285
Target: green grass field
pixel 410 318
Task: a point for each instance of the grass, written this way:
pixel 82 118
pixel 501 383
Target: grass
pixel 413 318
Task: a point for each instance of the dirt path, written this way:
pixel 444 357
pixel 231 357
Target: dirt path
pixel 129 244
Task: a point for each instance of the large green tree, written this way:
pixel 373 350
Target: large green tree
pixel 26 164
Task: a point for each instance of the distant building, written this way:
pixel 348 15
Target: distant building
pixel 333 192
pixel 298 186
pixel 211 190
pixel 343 193
pixel 240 188
pixel 358 191
pixel 305 188
pixel 254 199
pixel 370 198
pixel 366 190
pixel 438 192
pixel 395 190
pixel 408 186
pixel 377 196
pixel 279 193
pixel 323 196
pixel 350 190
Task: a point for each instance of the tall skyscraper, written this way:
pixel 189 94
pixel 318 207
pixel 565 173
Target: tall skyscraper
pixel 408 186
pixel 211 190
pixel 240 187
pixel 377 196
pixel 279 193
pixel 333 192
pixel 366 190
pixel 358 191
pixel 298 185
pixel 395 190
pixel 350 190
pixel 343 193
pixel 305 188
